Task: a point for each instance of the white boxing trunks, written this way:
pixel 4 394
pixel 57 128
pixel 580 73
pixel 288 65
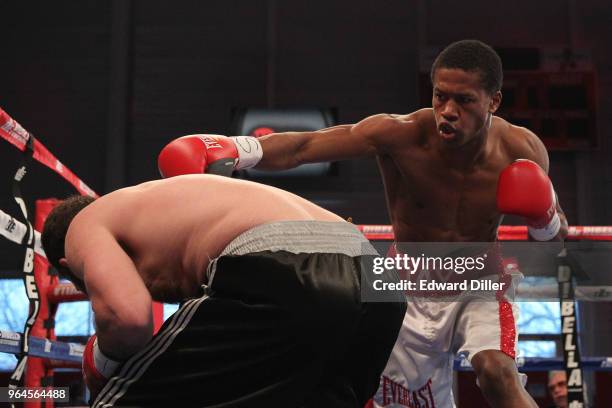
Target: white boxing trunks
pixel 419 372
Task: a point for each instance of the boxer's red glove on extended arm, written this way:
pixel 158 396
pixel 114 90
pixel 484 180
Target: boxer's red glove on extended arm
pixel 97 368
pixel 524 189
pixel 213 154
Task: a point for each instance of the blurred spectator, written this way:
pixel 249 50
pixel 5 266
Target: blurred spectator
pixel 557 387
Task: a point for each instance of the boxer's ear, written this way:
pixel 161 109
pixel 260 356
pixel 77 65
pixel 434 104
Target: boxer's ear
pixel 496 99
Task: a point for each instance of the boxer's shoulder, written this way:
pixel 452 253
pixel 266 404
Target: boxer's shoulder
pixel 403 129
pixel 386 123
pixel 420 120
pixel 518 142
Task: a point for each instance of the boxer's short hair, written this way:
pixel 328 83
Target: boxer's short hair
pixel 56 226
pixel 472 56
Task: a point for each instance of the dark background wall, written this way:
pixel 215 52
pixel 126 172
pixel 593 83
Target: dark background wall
pixel 192 67
pixel 105 84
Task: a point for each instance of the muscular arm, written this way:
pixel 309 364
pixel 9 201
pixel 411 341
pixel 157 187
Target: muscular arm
pixel 369 137
pixel 119 298
pixel 536 151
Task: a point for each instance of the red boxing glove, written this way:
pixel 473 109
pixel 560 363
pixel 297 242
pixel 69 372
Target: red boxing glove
pixel 213 154
pixel 97 368
pixel 524 189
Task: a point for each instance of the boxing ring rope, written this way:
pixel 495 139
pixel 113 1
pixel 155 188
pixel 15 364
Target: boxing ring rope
pixel 10 342
pixel 15 134
pixel 526 364
pixel 47 352
pixel 504 232
pixel 73 352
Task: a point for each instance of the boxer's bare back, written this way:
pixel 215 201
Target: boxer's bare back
pixel 170 229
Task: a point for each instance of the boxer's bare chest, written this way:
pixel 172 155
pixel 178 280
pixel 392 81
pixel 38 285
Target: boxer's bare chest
pixel 431 199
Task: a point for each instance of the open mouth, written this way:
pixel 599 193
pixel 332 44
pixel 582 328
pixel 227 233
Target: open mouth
pixel 446 130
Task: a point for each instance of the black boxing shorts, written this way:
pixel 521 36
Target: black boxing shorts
pixel 280 323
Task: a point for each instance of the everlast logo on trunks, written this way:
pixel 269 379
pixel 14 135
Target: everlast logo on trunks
pixel 396 394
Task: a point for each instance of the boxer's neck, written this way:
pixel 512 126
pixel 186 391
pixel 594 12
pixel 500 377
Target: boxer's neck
pixel 468 155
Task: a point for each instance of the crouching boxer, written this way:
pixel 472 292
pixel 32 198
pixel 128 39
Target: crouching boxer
pixel 269 288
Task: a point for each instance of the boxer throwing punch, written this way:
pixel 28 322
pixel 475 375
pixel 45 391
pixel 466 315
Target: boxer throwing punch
pixel 270 313
pixel 450 173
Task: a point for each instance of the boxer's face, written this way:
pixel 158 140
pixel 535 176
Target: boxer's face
pixel 462 107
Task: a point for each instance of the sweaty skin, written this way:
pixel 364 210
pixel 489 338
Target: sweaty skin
pixel 155 240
